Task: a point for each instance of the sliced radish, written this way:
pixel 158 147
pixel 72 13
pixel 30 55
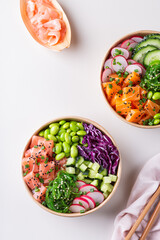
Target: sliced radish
pixel 105 74
pixel 76 208
pixel 134 68
pixel 119 51
pixel 131 47
pixel 83 202
pixel 97 196
pixel 137 39
pixel 80 183
pixel 142 67
pixel 107 63
pixel 92 203
pixel 87 188
pixel 131 61
pixel 119 63
pixel 127 43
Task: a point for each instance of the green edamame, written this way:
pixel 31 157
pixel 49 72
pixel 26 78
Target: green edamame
pixel 81 133
pixel 67 155
pixel 54 129
pixel 53 124
pixel 58 139
pixel 51 137
pixel 66 125
pixel 46 133
pixel 58 148
pixel 68 130
pixel 74 127
pixel 156 96
pixel 156 121
pixel 75 144
pixel 81 139
pixel 62 136
pixel 74 151
pixel 61 131
pixel 157 116
pixel 60 156
pixel 150 94
pixel 67 138
pixel 41 133
pixel 75 139
pixel 62 122
pixel 72 134
pixel 66 147
pixel 80 125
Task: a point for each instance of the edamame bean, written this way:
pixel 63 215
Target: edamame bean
pixel 74 151
pixel 62 136
pixel 75 139
pixel 41 133
pixel 54 130
pixel 62 122
pixel 72 134
pixel 68 130
pixel 150 94
pixel 67 155
pixel 81 133
pixel 74 127
pixel 66 125
pixel 67 138
pixel 81 139
pixel 66 147
pixel 46 133
pixel 58 139
pixel 157 116
pixel 156 121
pixel 80 125
pixel 156 96
pixel 61 131
pixel 58 148
pixel 75 144
pixel 60 156
pixel 51 137
pixel 53 124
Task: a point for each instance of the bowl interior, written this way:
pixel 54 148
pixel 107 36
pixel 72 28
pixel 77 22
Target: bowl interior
pixel 141 33
pixel 118 170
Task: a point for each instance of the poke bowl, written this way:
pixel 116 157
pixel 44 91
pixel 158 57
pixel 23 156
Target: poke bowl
pixel 71 166
pixel 130 78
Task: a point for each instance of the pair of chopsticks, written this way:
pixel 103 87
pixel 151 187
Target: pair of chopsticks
pixel 142 215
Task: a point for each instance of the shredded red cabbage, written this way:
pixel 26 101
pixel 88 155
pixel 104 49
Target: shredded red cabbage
pixel 100 149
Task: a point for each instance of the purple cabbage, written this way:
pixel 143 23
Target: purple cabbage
pixel 100 149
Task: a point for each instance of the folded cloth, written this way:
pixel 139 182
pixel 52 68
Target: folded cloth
pixel 145 186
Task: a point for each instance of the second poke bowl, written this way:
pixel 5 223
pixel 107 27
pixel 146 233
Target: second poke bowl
pixel 71 166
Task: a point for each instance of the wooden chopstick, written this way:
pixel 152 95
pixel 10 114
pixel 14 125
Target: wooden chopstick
pixel 151 221
pixel 143 213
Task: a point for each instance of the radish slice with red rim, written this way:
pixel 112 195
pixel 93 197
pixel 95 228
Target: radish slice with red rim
pixel 88 188
pixel 80 183
pixel 81 201
pixel 76 208
pixel 105 74
pixel 131 47
pixel 119 63
pixel 92 203
pixel 97 196
pixel 107 63
pixel 137 38
pixel 127 43
pixel 119 51
pixel 134 68
pixel 131 61
pixel 142 67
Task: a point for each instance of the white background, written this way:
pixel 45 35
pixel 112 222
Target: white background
pixel 38 85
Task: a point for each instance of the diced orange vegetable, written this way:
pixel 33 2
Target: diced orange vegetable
pixel 134 115
pixel 116 78
pixel 151 107
pixel 123 107
pixel 145 117
pixel 131 94
pixel 111 89
pixel 116 97
pixel 132 78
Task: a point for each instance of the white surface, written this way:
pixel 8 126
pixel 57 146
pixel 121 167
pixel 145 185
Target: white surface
pixel 38 85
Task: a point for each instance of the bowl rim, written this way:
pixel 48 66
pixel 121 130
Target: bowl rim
pixel 125 37
pixel 118 170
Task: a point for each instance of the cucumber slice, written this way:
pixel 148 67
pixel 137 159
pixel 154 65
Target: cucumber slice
pixel 92 174
pixel 70 170
pixel 106 194
pixel 87 180
pixel 106 187
pixel 83 167
pixel 79 161
pixel 90 165
pixel 71 161
pixel 107 180
pixel 86 163
pixel 151 57
pixel 95 166
pixel 104 172
pixel 80 176
pixel 150 41
pixel 95 183
pixel 154 35
pixel 141 52
pixel 113 177
pixel 99 176
pixel 85 173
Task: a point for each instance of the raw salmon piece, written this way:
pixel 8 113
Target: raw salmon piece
pixel 61 164
pixel 35 140
pixel 123 107
pixel 133 78
pixel 40 195
pixel 143 92
pixel 151 107
pixel 116 97
pixel 31 180
pixel 47 170
pixel 138 104
pixel 111 89
pixel 134 115
pixel 116 78
pixel 54 24
pixel 145 117
pixel 39 153
pixel 131 94
pixel 27 153
pixel 48 144
pixel 27 164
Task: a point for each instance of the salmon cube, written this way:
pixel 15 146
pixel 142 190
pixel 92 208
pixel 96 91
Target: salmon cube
pixel 31 180
pixel 123 107
pixel 47 170
pixel 134 115
pixel 151 107
pixel 145 117
pixel 40 194
pixel 116 97
pixel 132 79
pixel 116 78
pixel 111 89
pixel 131 94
